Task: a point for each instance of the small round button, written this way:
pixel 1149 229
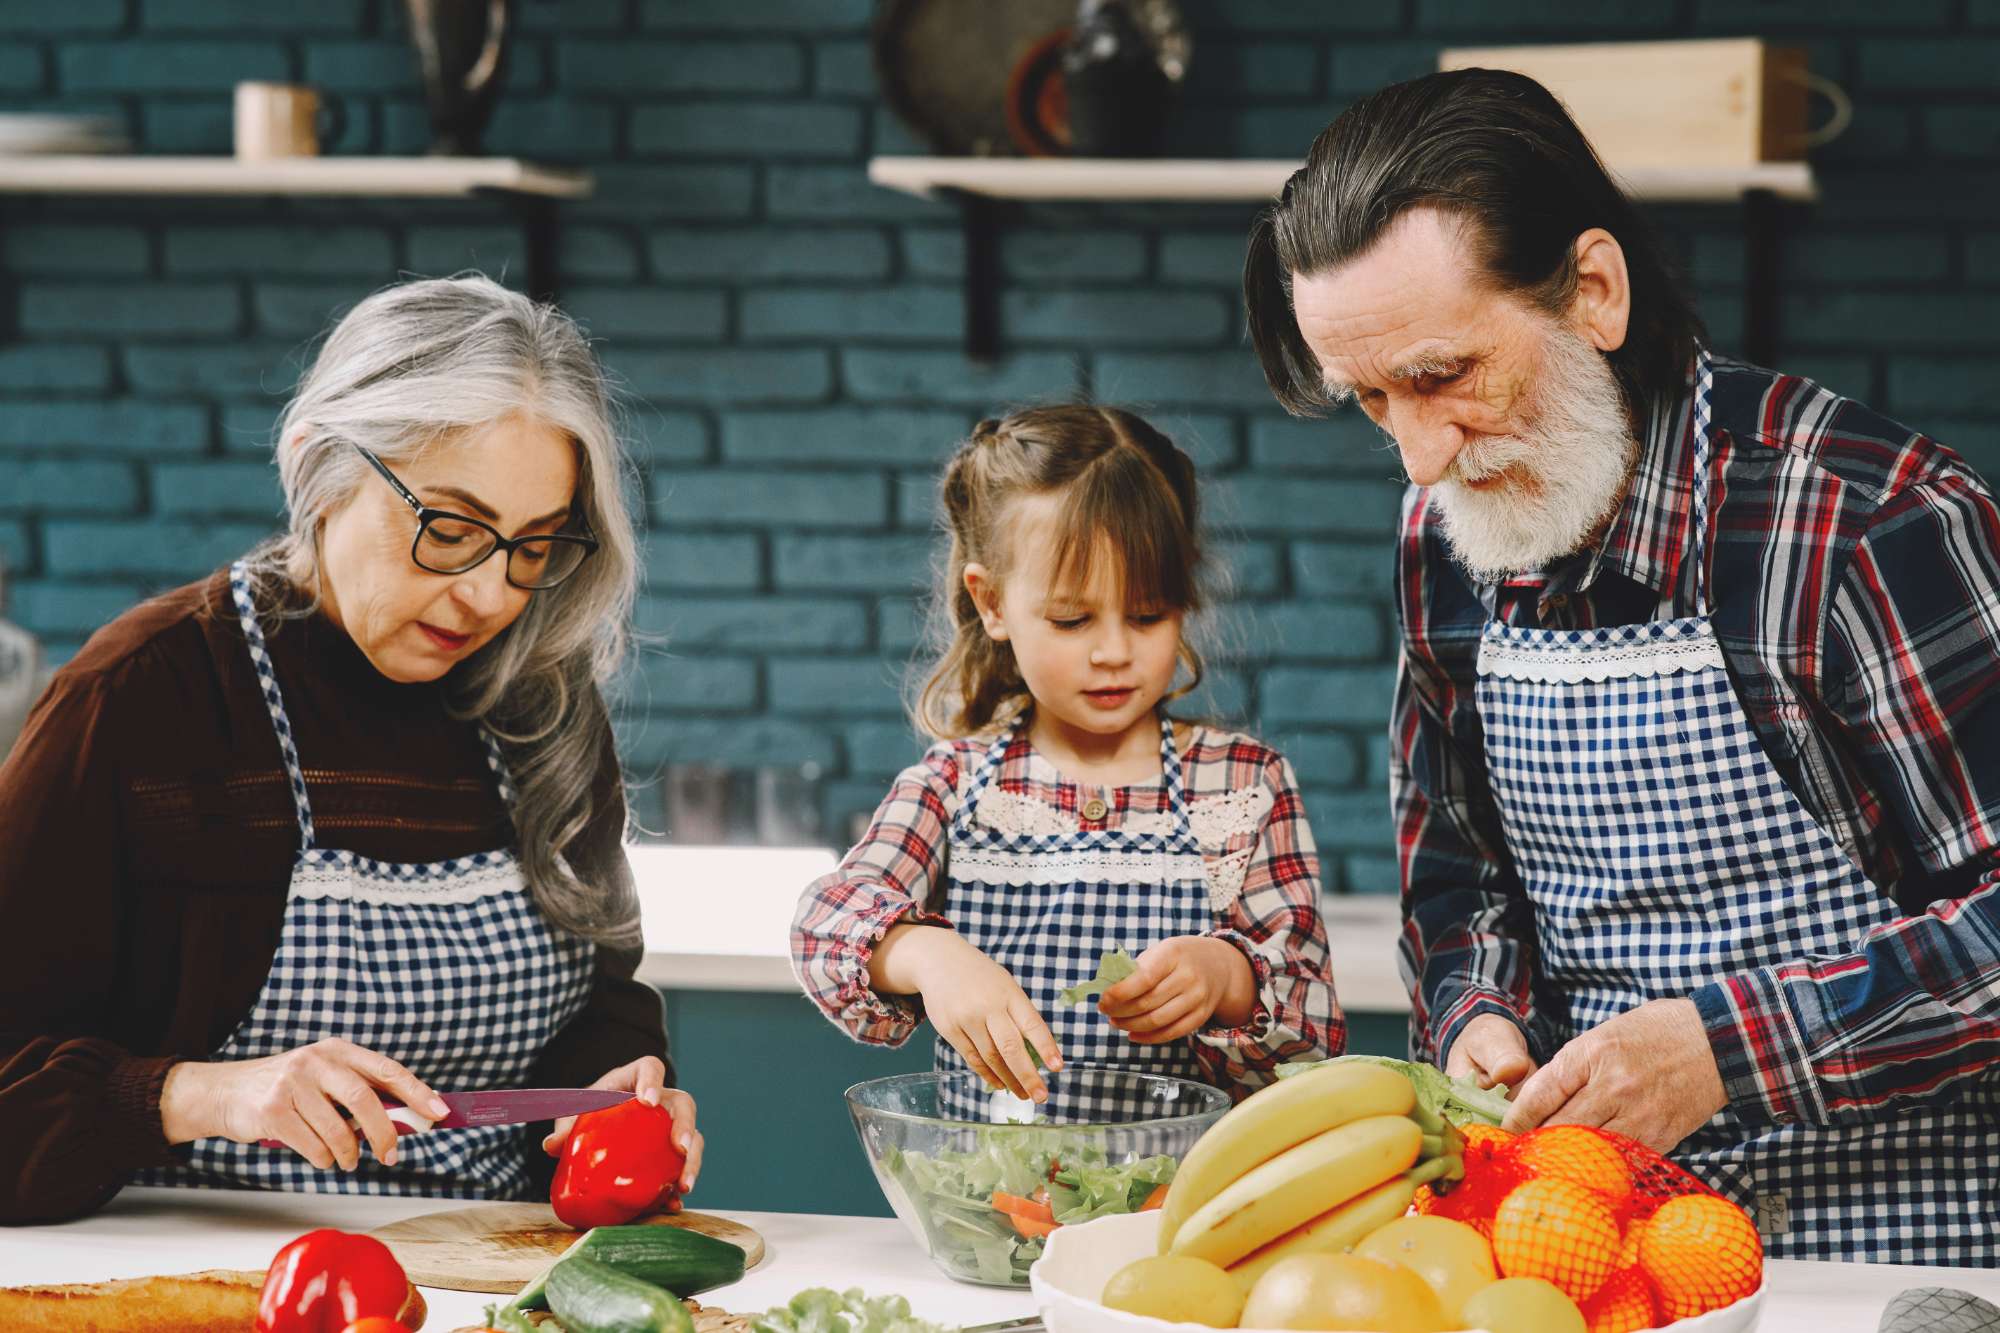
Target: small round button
pixel 1094 808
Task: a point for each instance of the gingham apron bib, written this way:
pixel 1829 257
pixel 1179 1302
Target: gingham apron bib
pixel 1047 907
pixel 446 967
pixel 1663 851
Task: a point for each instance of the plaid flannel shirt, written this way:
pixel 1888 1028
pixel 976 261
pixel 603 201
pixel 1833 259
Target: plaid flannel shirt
pixel 898 873
pixel 1855 569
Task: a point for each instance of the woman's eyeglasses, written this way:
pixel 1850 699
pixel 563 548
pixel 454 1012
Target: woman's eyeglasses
pixel 449 543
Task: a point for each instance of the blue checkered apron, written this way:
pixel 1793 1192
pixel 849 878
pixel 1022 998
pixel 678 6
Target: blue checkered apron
pixel 1663 851
pixel 1048 907
pixel 446 967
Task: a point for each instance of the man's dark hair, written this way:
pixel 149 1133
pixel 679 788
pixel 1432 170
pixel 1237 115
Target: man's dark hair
pixel 1500 152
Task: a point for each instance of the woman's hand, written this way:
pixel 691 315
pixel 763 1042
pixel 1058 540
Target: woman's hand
pixel 977 1006
pixel 1181 984
pixel 646 1079
pixel 303 1098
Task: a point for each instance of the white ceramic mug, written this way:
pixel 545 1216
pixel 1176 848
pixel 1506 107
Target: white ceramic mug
pixel 283 120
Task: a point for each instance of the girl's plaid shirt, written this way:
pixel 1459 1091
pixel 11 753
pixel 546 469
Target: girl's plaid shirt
pixel 898 873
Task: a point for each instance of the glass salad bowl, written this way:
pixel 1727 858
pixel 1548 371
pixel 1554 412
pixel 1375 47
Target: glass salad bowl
pixel 981 1178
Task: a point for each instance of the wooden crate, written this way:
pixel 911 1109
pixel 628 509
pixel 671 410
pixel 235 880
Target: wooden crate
pixel 1729 102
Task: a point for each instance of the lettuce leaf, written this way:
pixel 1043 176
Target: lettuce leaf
pixel 951 1194
pixel 1112 968
pixel 823 1310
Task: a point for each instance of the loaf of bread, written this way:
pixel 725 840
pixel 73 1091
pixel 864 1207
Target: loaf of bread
pixel 219 1300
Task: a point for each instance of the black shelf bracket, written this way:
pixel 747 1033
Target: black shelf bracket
pixel 1763 219
pixel 540 217
pixel 979 219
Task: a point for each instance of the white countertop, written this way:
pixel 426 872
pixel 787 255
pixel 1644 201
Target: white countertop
pixel 158 1231
pixel 720 918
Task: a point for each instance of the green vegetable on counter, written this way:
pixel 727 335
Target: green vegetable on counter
pixel 683 1262
pixel 590 1298
pixel 1459 1101
pixel 823 1310
pixel 510 1320
pixel 952 1195
pixel 1113 968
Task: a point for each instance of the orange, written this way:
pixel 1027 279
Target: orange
pixel 1622 1305
pixel 1628 1249
pixel 1573 1152
pixel 1559 1231
pixel 1484 1138
pixel 1702 1252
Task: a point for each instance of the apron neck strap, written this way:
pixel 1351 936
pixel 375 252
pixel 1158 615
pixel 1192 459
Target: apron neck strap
pixel 274 699
pixel 1704 388
pixel 498 763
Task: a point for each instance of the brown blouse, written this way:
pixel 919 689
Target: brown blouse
pixel 146 845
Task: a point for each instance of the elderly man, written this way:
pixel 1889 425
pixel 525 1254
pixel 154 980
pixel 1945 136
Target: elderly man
pixel 1696 744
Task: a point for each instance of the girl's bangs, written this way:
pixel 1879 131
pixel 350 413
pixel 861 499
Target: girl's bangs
pixel 1122 510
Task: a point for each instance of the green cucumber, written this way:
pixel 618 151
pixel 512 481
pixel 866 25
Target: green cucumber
pixel 590 1298
pixel 682 1261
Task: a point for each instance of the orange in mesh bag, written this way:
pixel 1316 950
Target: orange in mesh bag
pixel 1633 1239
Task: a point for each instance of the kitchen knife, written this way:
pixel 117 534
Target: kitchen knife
pixel 497 1106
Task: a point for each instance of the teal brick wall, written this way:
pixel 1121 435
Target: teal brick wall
pixel 787 334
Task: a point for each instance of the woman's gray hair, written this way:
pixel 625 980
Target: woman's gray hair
pixel 423 363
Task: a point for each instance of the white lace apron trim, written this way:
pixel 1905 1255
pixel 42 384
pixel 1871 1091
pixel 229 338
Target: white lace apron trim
pixel 995 866
pixel 1581 662
pixel 1214 819
pixel 349 883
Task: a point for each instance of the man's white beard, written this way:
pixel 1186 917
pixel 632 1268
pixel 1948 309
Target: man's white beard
pixel 1567 469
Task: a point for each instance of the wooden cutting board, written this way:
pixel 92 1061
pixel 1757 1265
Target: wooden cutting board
pixel 499 1247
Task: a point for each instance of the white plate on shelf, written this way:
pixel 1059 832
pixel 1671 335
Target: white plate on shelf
pixel 33 132
pixel 1080 1259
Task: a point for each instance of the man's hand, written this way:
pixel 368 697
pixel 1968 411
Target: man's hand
pixel 1647 1074
pixel 1492 1050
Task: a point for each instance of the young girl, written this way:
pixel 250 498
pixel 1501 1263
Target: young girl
pixel 1062 813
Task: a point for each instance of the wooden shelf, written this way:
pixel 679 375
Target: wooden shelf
pixel 982 186
pixel 1222 180
pixel 380 177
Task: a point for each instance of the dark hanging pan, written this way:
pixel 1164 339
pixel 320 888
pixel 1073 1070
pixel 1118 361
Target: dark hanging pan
pixel 982 78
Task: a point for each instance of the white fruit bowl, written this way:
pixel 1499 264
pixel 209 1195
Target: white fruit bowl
pixel 1070 1276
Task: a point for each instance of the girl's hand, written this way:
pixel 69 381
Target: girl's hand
pixel 302 1097
pixel 977 1006
pixel 646 1078
pixel 1181 984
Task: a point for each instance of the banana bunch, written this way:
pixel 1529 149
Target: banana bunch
pixel 1309 1165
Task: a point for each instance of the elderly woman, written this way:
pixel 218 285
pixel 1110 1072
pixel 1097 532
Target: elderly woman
pixel 343 822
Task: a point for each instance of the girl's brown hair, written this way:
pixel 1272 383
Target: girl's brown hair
pixel 1122 487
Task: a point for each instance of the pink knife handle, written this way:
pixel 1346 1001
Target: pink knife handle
pixel 402 1117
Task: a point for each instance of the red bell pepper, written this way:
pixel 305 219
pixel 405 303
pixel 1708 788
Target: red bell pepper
pixel 619 1163
pixel 326 1280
